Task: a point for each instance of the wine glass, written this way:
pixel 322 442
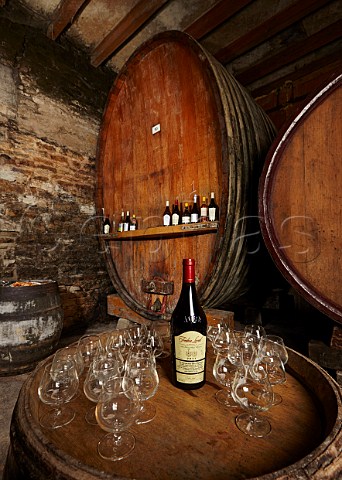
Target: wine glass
pixel 141 368
pixel 116 410
pixel 214 329
pixel 224 372
pixel 70 352
pixel 89 346
pixel 154 342
pixel 253 392
pixel 274 344
pixel 162 327
pixel 223 339
pixel 101 369
pixel 256 331
pixel 114 349
pixel 119 339
pixel 57 386
pixel 137 334
pixel 273 355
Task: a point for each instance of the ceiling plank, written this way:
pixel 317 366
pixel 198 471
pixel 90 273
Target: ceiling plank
pixel 134 19
pixel 64 16
pixel 290 54
pixel 215 16
pixel 268 29
pixel 316 66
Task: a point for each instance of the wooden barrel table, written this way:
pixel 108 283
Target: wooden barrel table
pixel 192 435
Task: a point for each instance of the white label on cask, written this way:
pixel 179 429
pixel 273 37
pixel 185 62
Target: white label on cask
pixel 190 357
pixel 156 129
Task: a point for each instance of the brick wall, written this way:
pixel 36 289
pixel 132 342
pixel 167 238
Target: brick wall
pixel 50 112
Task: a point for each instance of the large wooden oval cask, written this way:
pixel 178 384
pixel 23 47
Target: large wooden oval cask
pixel 192 437
pixel 301 201
pixel 177 123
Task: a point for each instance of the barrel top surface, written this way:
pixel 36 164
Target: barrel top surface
pixel 33 288
pixel 194 437
pixel 300 201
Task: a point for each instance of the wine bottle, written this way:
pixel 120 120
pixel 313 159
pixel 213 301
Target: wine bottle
pixel 213 209
pixel 105 224
pixel 175 214
pixel 204 210
pixel 167 215
pixel 188 334
pixel 134 223
pixel 127 222
pixel 194 212
pixel 186 214
pixel 121 222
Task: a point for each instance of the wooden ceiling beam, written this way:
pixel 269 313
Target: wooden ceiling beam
pixel 215 16
pixel 290 54
pixel 64 16
pixel 134 19
pixel 280 21
pixel 318 65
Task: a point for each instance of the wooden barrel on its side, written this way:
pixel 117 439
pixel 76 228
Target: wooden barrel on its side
pixel 31 322
pixel 301 201
pixel 192 437
pixel 178 124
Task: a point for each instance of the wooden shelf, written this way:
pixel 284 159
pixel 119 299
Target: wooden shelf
pixel 164 232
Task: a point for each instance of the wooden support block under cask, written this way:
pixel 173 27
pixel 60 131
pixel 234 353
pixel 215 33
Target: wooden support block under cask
pixel 117 307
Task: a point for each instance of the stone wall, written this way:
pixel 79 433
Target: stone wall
pixel 51 105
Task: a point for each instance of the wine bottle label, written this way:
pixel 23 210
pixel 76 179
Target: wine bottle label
pixel 194 218
pixel 212 214
pixel 204 212
pixel 175 219
pixel 106 229
pixel 166 220
pixel 185 219
pixel 190 350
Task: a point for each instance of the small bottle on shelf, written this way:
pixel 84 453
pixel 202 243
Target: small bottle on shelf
pixel 167 215
pixel 204 210
pixel 105 223
pixel 188 334
pixel 113 223
pixel 175 214
pixel 127 222
pixel 134 223
pixel 186 213
pixel 213 209
pixel 121 222
pixel 194 212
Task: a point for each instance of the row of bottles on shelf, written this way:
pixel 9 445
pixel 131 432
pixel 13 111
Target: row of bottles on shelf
pixel 126 223
pixel 191 213
pixel 197 212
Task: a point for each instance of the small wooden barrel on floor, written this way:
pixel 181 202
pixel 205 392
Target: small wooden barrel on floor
pixel 31 322
pixel 192 435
